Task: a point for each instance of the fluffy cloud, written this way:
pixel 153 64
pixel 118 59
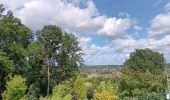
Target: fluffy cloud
pixel 68 14
pixel 161 23
pixel 94 54
pixel 82 16
pixel 167 7
pixel 129 44
pixel 113 27
pixel 84 39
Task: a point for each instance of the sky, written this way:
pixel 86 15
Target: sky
pixel 108 30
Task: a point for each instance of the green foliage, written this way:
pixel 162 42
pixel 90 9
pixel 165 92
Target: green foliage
pixel 105 96
pixel 146 60
pixel 22 54
pixel 144 74
pixel 106 91
pixel 80 88
pixel 69 58
pixel 33 92
pixel 36 74
pixel 62 91
pixel 107 86
pixel 14 39
pixel 15 89
pixel 1 9
pixel 59 51
pixel 6 66
pixel 90 93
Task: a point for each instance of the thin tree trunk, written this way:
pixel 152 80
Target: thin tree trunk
pixel 48 65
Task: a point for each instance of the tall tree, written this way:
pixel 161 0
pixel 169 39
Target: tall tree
pixel 143 74
pixel 14 39
pixel 50 37
pixel 59 52
pixel 36 71
pixel 69 58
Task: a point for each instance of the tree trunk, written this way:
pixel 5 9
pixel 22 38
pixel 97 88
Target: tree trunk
pixel 48 65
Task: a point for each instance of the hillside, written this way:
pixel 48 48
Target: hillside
pixel 106 70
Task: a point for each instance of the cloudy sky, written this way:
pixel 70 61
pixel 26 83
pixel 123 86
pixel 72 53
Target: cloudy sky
pixel 108 30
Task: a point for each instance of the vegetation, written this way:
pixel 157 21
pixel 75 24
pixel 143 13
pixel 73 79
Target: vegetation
pixel 15 89
pixel 143 74
pixel 45 58
pixel 47 64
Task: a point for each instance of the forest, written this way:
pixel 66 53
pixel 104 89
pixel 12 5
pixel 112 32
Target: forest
pixel 48 65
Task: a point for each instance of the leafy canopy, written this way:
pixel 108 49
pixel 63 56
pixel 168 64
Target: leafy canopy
pixel 143 74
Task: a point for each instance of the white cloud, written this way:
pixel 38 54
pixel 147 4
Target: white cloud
pixel 100 55
pixel 67 14
pixel 128 45
pixel 94 54
pixel 85 39
pixel 72 17
pixel 161 23
pixel 137 28
pixel 119 49
pixel 13 4
pixel 167 7
pixel 114 27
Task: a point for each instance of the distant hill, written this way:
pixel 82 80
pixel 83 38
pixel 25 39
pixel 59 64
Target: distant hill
pixel 107 66
pixel 103 66
pixel 106 70
pixel 102 70
pixel 168 64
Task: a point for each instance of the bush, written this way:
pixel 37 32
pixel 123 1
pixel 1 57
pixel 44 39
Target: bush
pixel 15 89
pixel 62 91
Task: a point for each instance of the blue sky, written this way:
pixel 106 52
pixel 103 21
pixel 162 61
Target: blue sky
pixel 108 30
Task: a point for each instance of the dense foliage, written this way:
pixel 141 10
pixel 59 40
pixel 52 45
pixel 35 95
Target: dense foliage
pixel 144 74
pixel 44 58
pixel 15 89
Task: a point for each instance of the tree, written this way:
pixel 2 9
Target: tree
pixel 1 9
pixel 146 60
pixel 62 91
pixel 33 92
pixel 14 40
pixel 69 58
pixel 106 91
pixel 15 89
pixel 36 71
pixel 79 88
pixel 50 37
pixel 54 54
pixel 143 74
pixel 5 69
